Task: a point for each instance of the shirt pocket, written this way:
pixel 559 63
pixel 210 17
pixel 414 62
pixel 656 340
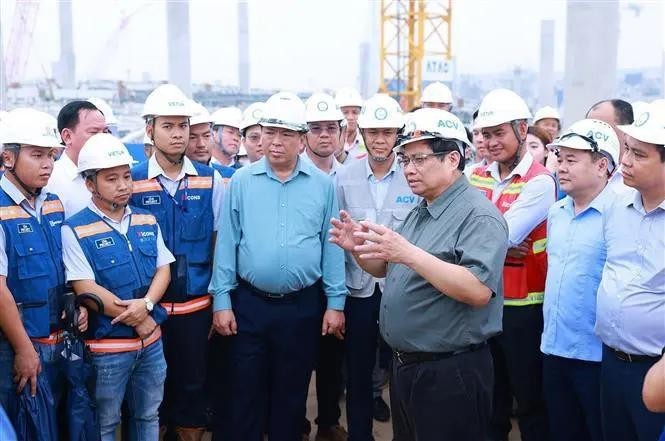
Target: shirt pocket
pixel 115 270
pixel 32 259
pixel 148 254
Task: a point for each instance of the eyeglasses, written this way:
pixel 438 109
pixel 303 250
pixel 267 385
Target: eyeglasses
pixel 317 130
pixel 417 159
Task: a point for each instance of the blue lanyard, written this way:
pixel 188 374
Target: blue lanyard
pixel 180 204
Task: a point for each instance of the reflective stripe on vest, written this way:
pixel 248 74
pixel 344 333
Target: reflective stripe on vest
pixel 523 279
pixel 116 345
pixel 35 272
pixel 187 307
pixel 533 298
pixel 54 338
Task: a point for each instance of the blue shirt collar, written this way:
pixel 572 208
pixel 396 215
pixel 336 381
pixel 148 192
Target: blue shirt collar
pixel 599 203
pixel 262 167
pixel 636 202
pixel 370 174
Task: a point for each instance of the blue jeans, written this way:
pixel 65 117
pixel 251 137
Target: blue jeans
pixel 137 376
pixel 51 361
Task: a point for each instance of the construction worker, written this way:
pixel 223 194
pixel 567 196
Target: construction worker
pixel 350 103
pixel 269 275
pixel 32 276
pixel 250 130
pixel 185 197
pixel 631 297
pixel 482 153
pixel 614 112
pixel 99 245
pixel 437 95
pixel 548 119
pixel 374 189
pixel 107 111
pixel 77 121
pixel 443 292
pixel 587 152
pixel 322 140
pixel 200 146
pixel 147 146
pixel 226 136
pixel 523 190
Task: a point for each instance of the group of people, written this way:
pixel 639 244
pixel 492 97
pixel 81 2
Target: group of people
pixel 526 283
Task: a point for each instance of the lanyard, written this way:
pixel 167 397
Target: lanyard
pixel 178 203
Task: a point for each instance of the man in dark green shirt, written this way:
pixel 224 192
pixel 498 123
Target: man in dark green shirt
pixel 443 298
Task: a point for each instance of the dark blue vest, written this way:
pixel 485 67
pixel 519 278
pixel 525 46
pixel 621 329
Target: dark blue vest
pixel 225 171
pixel 35 273
pixel 123 265
pixel 187 223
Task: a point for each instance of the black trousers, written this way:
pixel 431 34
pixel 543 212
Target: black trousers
pixel 186 346
pixel 329 380
pixel 270 363
pixel 518 374
pixel 443 400
pixel 572 392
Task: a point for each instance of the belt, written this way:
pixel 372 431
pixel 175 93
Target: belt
pixel 630 358
pixel 53 339
pixel 198 304
pixel 264 294
pixel 420 357
pixel 116 345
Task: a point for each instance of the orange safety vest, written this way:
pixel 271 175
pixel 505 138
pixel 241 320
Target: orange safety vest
pixel 523 279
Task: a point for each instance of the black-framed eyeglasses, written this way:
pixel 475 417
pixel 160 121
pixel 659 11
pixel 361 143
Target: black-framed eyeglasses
pixel 418 159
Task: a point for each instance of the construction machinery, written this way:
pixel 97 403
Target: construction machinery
pixel 413 33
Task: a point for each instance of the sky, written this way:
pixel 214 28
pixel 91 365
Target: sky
pixel 308 44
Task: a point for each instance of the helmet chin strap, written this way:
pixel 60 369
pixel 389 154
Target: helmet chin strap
pixel 32 192
pixel 519 154
pixel 178 161
pixel 112 205
pixel 380 159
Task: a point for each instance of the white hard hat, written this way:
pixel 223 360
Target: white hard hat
pixel 322 107
pixel 251 116
pixel 200 114
pixel 3 113
pixel 147 140
pixel 227 116
pixel 590 134
pixel 379 112
pixel 30 127
pixel 436 93
pixel 501 106
pixel 432 123
pixel 101 151
pixel 166 100
pixel 649 126
pixel 348 97
pixel 105 108
pixel 285 110
pixel 546 112
pixel 639 107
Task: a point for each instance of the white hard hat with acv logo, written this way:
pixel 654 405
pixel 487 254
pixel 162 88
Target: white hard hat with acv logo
pixel 381 112
pixel 105 108
pixel 501 106
pixel 251 116
pixel 546 112
pixel 227 116
pixel 166 100
pixel 30 127
pixel 322 107
pixel 348 97
pixel 649 126
pixel 284 110
pixel 590 134
pixel 436 93
pixel 434 124
pixel 102 151
pixel 200 114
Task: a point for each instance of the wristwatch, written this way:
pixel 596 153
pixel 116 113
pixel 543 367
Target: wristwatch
pixel 148 304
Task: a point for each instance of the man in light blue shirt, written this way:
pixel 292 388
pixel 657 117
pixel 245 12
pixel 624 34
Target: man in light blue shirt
pixel 587 154
pixel 272 263
pixel 630 317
